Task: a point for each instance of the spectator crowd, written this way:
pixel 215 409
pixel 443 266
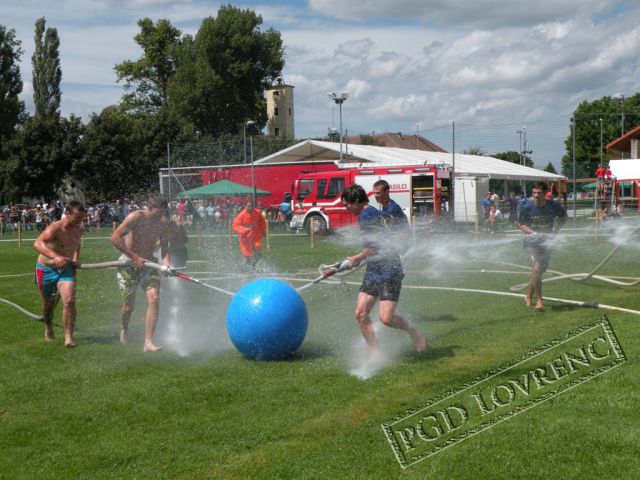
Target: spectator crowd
pixel 208 215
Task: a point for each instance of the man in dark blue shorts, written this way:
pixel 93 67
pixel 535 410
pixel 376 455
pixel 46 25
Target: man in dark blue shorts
pixel 383 276
pixel 59 249
pixel 540 220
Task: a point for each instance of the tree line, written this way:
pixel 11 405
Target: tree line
pixel 183 89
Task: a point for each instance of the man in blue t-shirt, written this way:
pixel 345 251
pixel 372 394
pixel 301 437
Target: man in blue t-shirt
pixel 393 215
pixel 383 276
pixel 540 220
pixel 391 211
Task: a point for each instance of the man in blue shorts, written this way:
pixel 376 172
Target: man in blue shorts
pixel 383 276
pixel 59 249
pixel 540 220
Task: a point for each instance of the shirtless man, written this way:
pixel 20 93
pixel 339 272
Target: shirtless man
pixel 137 237
pixel 59 248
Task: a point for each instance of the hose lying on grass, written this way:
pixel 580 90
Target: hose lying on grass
pixel 21 309
pixel 581 277
pixel 578 303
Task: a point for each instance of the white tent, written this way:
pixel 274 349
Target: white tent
pixel 625 170
pixel 355 155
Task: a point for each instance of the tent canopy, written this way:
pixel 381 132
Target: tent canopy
pixel 223 188
pixel 369 155
pixel 625 169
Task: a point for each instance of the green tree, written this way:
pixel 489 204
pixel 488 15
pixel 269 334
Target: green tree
pixel 41 155
pixel 222 72
pixel 11 107
pixel 513 157
pixel 588 118
pixel 47 73
pixel 474 151
pixel 111 146
pixel 147 79
pixel 550 168
pixel 123 152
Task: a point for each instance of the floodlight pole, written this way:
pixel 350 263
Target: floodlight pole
pixel 248 123
pixel 620 97
pixel 519 132
pixel 573 158
pixel 169 169
pixel 339 99
pixel 253 176
pixel 452 180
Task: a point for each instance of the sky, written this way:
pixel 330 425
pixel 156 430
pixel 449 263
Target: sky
pixel 490 66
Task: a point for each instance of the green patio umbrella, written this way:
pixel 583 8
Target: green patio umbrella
pixel 222 188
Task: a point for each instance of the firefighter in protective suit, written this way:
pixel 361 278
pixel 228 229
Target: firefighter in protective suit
pixel 250 226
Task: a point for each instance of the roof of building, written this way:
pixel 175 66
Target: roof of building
pixel 386 139
pixel 366 155
pixel 623 144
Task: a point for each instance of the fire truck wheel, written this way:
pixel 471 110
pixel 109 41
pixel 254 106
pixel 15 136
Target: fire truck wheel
pixel 319 225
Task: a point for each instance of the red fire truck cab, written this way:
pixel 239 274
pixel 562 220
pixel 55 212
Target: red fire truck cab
pixel 421 191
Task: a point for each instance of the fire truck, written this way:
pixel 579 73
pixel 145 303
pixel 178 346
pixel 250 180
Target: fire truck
pixel 422 192
pixel 277 179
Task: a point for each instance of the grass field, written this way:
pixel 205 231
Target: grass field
pixel 200 410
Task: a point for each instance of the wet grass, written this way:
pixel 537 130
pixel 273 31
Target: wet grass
pixel 200 410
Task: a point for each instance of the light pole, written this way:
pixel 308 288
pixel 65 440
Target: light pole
pixel 248 123
pixel 339 99
pixel 417 134
pixel 620 98
pixel 526 151
pixel 519 132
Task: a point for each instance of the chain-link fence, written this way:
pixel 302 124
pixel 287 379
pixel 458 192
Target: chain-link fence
pixel 563 145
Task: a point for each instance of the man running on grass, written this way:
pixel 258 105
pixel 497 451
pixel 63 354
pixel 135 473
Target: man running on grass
pixel 59 249
pixel 537 219
pixel 137 238
pixel 383 276
pixel 250 226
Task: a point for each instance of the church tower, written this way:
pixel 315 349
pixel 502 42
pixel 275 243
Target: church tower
pixel 280 109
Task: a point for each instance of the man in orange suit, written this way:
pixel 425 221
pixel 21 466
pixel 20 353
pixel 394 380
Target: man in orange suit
pixel 250 226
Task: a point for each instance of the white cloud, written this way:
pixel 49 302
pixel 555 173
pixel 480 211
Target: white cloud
pixel 419 61
pixel 355 48
pixel 478 13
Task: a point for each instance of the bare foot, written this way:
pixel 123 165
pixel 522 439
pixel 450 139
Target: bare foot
pixel 418 339
pixel 69 344
pixel 527 300
pixel 539 306
pixel 123 336
pixel 374 355
pixel 150 347
pixel 49 336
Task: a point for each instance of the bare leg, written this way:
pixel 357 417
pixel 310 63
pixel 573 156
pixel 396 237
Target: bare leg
pixel 389 318
pixel 125 316
pixel 364 304
pixel 536 278
pixel 48 307
pixel 153 308
pixel 67 292
pixel 530 288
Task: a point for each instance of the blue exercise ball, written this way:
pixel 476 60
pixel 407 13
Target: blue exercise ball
pixel 267 320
